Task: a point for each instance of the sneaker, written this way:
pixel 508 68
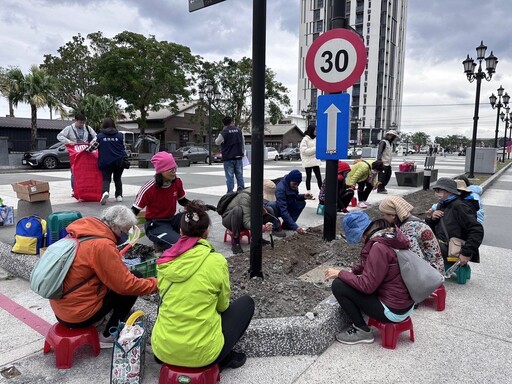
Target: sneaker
pixel 382 191
pixel 104 198
pixel 119 199
pixel 278 233
pixel 354 335
pixel 236 248
pixel 362 205
pixel 234 360
pixel 106 342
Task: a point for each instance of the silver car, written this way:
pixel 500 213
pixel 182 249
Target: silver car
pixel 194 154
pixel 49 158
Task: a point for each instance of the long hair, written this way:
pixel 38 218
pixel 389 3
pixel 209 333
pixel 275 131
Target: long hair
pixel 376 225
pixel 310 131
pixel 195 220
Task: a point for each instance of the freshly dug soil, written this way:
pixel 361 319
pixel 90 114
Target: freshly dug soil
pixel 280 293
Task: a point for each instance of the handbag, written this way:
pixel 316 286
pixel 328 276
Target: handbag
pixel 420 278
pixel 126 163
pixel 129 351
pixel 454 245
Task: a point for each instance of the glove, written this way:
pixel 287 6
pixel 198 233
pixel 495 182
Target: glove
pixel 211 207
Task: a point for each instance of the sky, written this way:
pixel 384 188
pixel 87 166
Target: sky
pixel 438 99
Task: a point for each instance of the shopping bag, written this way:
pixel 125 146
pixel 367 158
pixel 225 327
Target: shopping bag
pixel 129 351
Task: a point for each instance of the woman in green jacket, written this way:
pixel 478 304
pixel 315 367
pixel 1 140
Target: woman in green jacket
pixel 364 174
pixel 196 325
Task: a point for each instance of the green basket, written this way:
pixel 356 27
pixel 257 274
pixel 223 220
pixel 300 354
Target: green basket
pixel 147 268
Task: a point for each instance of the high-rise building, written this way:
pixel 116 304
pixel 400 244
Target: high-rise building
pixel 377 96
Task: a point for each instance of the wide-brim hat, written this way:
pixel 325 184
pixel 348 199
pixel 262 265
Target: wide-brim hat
pixel 269 190
pixel 461 186
pixel 392 132
pixel 446 184
pixel 354 226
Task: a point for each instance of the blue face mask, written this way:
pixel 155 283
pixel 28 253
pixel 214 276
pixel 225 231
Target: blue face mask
pixel 122 239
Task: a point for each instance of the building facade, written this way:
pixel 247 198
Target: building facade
pixel 377 96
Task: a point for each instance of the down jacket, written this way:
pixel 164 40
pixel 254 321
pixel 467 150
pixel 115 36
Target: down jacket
pixel 101 258
pixel 379 271
pixel 308 152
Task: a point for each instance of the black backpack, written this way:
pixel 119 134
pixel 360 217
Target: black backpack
pixel 224 202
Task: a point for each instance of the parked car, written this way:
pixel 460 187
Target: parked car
pixel 272 154
pixel 217 157
pixel 194 154
pixel 358 152
pixel 290 154
pixel 49 158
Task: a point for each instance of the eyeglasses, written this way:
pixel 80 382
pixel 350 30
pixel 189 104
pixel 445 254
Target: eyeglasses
pixel 172 170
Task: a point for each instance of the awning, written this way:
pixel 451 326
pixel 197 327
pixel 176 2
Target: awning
pixel 183 129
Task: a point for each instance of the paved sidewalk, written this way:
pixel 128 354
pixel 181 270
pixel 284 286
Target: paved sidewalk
pixel 469 342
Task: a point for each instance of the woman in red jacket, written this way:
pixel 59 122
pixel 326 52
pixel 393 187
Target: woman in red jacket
pixel 375 286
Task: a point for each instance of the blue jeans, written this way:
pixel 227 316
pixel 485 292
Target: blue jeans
pixel 232 169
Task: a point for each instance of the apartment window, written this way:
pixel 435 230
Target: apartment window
pixel 369 17
pixel 316 14
pixel 315 36
pixel 319 3
pixel 319 26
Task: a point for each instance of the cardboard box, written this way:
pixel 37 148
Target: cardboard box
pixel 6 215
pixel 32 190
pixel 34 197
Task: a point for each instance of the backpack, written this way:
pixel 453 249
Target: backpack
pixel 420 278
pixel 224 201
pixel 30 235
pixel 48 275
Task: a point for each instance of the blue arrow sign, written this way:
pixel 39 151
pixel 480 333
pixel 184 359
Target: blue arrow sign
pixel 332 130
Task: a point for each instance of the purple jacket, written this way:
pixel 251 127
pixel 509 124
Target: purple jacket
pixel 379 271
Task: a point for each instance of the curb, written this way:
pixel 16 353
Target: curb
pixel 487 183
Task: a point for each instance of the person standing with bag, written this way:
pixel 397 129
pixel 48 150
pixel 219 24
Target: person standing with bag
pixel 385 154
pixel 453 218
pixel 111 158
pixel 308 157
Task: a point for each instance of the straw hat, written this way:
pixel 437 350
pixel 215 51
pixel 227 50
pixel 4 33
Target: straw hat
pixel 461 186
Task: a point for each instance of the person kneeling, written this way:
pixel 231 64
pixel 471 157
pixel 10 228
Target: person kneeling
pixel 196 325
pixel 375 286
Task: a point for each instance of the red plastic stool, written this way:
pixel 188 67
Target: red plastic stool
pixel 439 297
pixel 170 374
pixel 243 232
pixel 389 331
pixel 66 340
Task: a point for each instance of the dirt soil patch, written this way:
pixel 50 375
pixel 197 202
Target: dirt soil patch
pixel 281 293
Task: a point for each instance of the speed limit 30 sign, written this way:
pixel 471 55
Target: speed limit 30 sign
pixel 336 60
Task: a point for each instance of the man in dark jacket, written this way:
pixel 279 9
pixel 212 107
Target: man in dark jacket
pixel 289 202
pixel 232 145
pixel 458 219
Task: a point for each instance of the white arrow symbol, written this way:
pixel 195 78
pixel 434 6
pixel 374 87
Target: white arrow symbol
pixel 332 123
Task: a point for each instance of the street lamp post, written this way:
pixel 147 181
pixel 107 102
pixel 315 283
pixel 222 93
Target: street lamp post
pixel 469 69
pixel 209 91
pixel 309 114
pixel 506 117
pixel 497 105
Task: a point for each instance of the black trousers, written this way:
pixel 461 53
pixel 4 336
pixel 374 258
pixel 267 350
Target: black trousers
pixel 318 176
pixel 164 232
pixel 344 198
pixel 234 220
pixel 363 190
pixel 384 177
pixel 119 304
pixel 117 172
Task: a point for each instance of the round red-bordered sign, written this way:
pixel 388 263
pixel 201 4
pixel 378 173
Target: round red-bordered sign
pixel 336 60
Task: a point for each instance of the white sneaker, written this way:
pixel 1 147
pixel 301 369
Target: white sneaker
pixel 104 198
pixel 119 199
pixel 106 342
pixel 362 205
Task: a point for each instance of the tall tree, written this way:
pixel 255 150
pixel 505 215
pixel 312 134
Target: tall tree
pixel 73 68
pixel 420 138
pixel 145 73
pixel 96 108
pixel 37 89
pixel 10 81
pixel 233 79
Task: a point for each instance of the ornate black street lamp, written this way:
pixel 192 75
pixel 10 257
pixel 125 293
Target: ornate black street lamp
pixel 469 69
pixel 506 117
pixel 309 114
pixel 208 90
pixel 497 105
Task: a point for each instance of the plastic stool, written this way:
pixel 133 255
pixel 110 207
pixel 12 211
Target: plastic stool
pixel 243 232
pixel 439 297
pixel 170 374
pixel 66 340
pixel 389 331
pixel 320 209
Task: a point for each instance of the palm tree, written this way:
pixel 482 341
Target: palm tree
pixel 38 90
pixel 96 108
pixel 10 81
